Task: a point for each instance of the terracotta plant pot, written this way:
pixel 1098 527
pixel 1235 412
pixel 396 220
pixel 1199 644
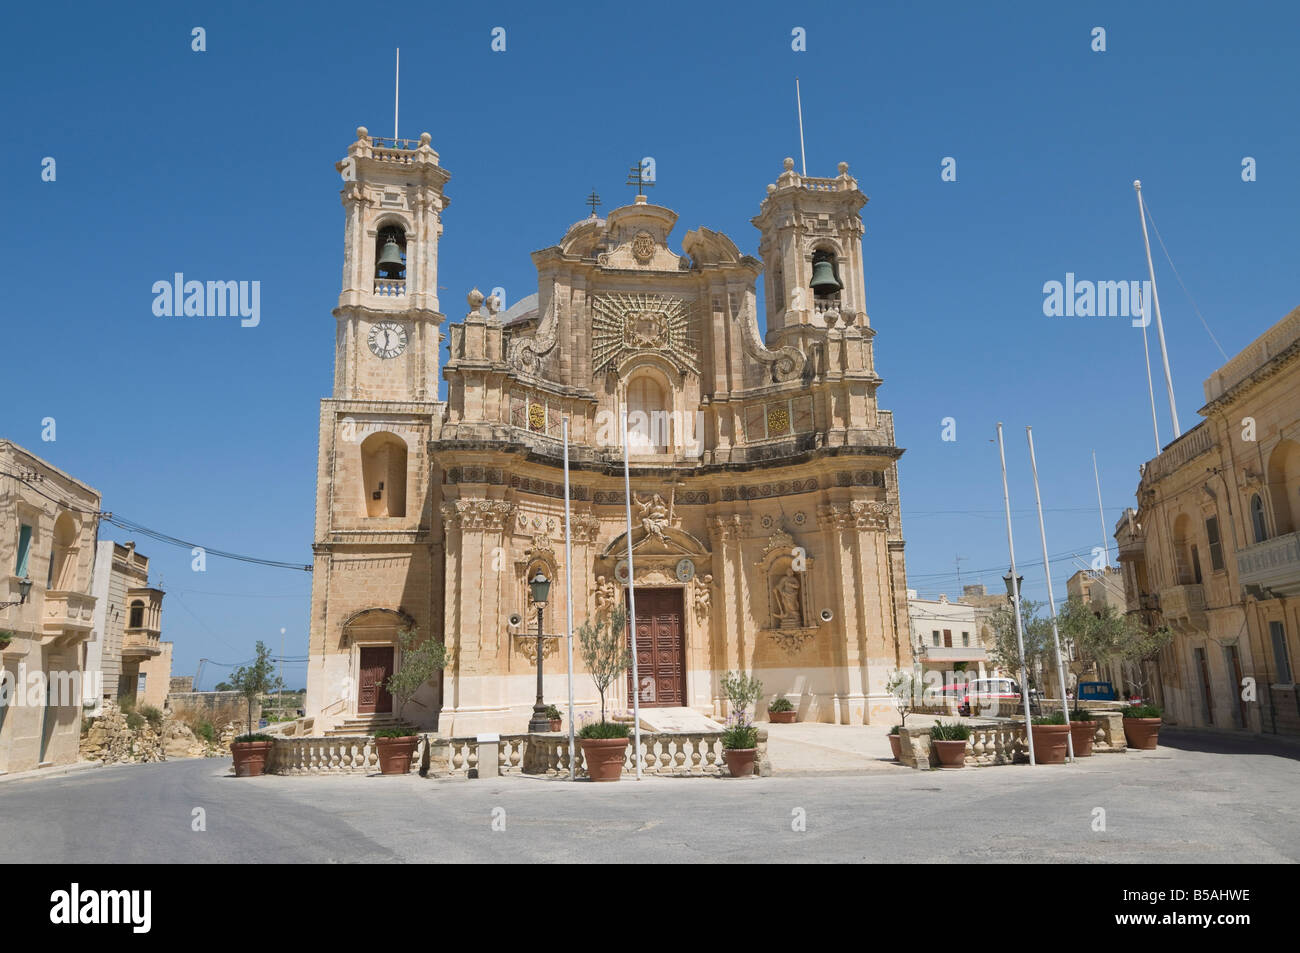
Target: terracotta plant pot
pixel 1081 733
pixel 1051 743
pixel 250 757
pixel 557 724
pixel 782 717
pixel 952 754
pixel 604 757
pixel 1141 733
pixel 395 754
pixel 740 761
pixel 896 745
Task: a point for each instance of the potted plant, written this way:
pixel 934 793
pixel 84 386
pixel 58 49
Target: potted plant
pixel 740 746
pixel 6 637
pixel 906 688
pixel 1142 726
pixel 555 718
pixel 949 743
pixel 1051 738
pixel 250 750
pixel 396 746
pixel 742 691
pixel 1083 729
pixel 603 644
pixel 780 711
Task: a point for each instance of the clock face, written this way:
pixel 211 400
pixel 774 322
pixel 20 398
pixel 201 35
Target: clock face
pixel 387 339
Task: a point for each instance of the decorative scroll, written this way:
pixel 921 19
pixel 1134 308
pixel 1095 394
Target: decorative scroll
pixel 785 363
pixel 526 353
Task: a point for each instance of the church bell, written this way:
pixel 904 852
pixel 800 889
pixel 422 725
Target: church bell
pixel 824 282
pixel 390 260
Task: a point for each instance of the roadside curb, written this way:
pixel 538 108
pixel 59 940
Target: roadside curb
pixel 56 771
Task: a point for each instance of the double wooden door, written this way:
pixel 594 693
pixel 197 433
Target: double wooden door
pixel 376 665
pixel 661 649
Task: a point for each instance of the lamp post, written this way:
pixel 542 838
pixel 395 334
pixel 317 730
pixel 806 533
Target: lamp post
pixel 24 589
pixel 541 588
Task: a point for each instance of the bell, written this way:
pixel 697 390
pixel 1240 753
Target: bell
pixel 824 282
pixel 390 260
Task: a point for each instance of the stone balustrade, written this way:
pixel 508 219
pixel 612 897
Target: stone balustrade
pixel 1003 742
pixel 348 754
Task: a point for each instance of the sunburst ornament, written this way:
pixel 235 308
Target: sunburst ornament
pixel 623 324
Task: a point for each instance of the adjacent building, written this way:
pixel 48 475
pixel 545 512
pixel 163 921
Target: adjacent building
pixel 127 651
pixel 1098 588
pixel 766 533
pixel 946 637
pixel 48 525
pixel 1212 549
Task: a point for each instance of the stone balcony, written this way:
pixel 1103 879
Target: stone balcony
pixel 962 653
pixel 141 643
pixel 1273 565
pixel 67 613
pixel 1184 607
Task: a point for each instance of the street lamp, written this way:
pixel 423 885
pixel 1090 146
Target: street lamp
pixel 1012 592
pixel 540 587
pixel 24 589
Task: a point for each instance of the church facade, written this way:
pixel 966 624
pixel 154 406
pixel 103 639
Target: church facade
pixel 766 533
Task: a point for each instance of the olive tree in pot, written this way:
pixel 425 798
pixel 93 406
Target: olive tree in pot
pixel 906 687
pixel 1051 738
pixel 740 741
pixel 949 743
pixel 252 681
pixel 603 645
pixel 421 662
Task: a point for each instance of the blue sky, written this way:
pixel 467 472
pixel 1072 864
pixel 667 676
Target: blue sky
pixel 219 164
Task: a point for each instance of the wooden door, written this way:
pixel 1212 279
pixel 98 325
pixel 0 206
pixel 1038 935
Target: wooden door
pixel 372 693
pixel 661 649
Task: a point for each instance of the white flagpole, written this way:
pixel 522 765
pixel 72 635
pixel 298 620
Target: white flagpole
pixel 397 82
pixel 1146 354
pixel 1155 301
pixel 1101 513
pixel 568 598
pixel 803 159
pixel 1015 602
pixel 631 609
pixel 1051 602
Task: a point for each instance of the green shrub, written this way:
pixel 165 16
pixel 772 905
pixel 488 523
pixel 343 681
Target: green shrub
pixel 135 721
pixel 1056 718
pixel 204 730
pixel 153 716
pixel 257 736
pixel 599 730
pixel 741 690
pixel 894 730
pixel 401 731
pixel 780 704
pixel 553 713
pixel 741 735
pixel 949 731
pixel 1142 711
pixel 1080 714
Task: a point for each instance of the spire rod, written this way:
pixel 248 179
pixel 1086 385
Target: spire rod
pixel 803 159
pixel 397 82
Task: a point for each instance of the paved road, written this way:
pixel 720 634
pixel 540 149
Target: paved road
pixel 1193 801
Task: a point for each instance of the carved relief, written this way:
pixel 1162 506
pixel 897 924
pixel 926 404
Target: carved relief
pixel 624 324
pixel 858 514
pixel 526 353
pixel 785 363
pixel 478 514
pixel 703 600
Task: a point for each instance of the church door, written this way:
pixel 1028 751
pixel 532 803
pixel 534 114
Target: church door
pixel 661 649
pixel 372 693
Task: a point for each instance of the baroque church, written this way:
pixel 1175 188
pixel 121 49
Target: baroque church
pixel 766 533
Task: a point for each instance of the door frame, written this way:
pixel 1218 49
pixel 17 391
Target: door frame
pixel 355 702
pixel 683 623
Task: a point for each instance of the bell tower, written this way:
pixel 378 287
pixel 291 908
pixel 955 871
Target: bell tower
pixel 386 345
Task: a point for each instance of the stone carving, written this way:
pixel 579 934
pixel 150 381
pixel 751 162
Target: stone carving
pixel 703 597
pixel 643 247
pixel 792 640
pixel 526 353
pixel 787 608
pixel 478 514
pixel 785 363
pixel 623 324
pixel 859 514
pixel 654 515
pixel 606 596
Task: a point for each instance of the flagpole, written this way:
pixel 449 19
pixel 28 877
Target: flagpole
pixel 1155 300
pixel 1101 514
pixel 1015 601
pixel 803 159
pixel 397 83
pixel 631 609
pixel 568 598
pixel 1146 354
pixel 1051 602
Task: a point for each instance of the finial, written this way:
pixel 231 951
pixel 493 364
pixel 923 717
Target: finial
pixel 425 138
pixel 493 303
pixel 844 168
pixel 594 201
pixel 363 133
pixel 1137 185
pixel 770 188
pixel 475 299
pixel 788 163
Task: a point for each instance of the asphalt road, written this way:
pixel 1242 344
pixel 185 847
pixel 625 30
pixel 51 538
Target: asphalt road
pixel 1194 800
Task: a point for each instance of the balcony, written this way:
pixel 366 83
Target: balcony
pixel 968 653
pixel 1184 607
pixel 141 643
pixel 67 614
pixel 1272 565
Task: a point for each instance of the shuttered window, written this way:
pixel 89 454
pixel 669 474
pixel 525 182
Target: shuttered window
pixel 24 550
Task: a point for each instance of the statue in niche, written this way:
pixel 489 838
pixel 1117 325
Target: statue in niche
pixel 654 515
pixel 786 607
pixel 606 595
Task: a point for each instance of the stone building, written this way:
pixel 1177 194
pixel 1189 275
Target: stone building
pixel 946 637
pixel 1098 588
pixel 127 648
pixel 1213 552
pixel 48 524
pixel 766 531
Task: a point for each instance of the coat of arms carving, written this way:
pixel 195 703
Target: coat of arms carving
pixel 623 324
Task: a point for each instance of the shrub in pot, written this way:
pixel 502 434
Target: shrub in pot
pixel 604 748
pixel 419 663
pixel 1142 726
pixel 781 712
pixel 907 689
pixel 949 743
pixel 740 748
pixel 395 747
pixel 555 718
pixel 603 643
pixel 250 750
pixel 1083 729
pixel 1051 738
pixel 895 743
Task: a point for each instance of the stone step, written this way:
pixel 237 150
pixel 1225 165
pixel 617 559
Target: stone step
pixel 676 720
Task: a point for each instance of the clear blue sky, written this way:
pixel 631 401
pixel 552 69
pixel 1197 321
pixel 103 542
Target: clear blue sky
pixel 220 165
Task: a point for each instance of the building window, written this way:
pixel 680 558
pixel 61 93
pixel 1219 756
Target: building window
pixel 947 638
pixel 1216 546
pixel 1196 566
pixel 1257 518
pixel 935 636
pixel 1280 657
pixel 137 615
pixel 1207 696
pixel 965 640
pixel 383 472
pixel 24 550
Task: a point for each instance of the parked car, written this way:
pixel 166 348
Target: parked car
pixel 1096 692
pixel 983 694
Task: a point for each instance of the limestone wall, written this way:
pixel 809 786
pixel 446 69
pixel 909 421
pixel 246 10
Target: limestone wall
pixel 219 708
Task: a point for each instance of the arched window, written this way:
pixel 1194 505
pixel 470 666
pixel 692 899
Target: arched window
pixel 383 474
pixel 63 555
pixel 136 620
pixel 1283 485
pixel 1257 518
pixel 649 421
pixel 390 252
